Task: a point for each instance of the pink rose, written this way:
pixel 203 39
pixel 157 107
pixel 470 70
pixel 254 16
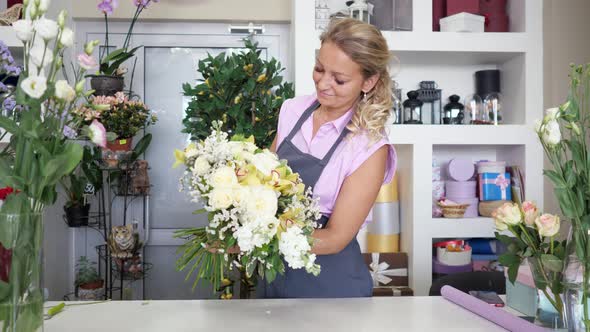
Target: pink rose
pixel 547 224
pixel 87 61
pixel 530 211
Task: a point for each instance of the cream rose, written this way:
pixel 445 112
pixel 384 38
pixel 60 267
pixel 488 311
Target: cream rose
pixel 224 177
pixel 530 211
pixel 221 198
pixel 265 162
pixel 201 166
pixel 261 202
pixel 547 224
pixel 508 213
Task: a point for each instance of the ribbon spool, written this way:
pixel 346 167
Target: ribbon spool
pixel 383 233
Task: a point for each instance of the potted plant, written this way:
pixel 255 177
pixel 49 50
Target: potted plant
pixel 109 79
pixel 242 90
pixel 89 284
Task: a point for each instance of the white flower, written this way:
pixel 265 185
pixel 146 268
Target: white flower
pixel 46 28
pixel 551 134
pixel 261 202
pixel 41 56
pixel 551 114
pixel 265 162
pixel 64 91
pixel 538 125
pixel 201 166
pixel 34 86
pixel 23 29
pixel 239 195
pixel 221 198
pixel 67 37
pixel 293 245
pixel 223 177
pixel 44 5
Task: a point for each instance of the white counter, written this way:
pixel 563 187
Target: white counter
pixel 368 314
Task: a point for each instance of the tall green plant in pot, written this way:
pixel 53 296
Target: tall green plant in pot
pixel 245 92
pixel 564 134
pixel 242 90
pixel 36 158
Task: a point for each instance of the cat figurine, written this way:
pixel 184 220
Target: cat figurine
pixel 123 241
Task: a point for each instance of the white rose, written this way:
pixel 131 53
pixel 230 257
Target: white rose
pixel 221 198
pixel 265 162
pixel 201 166
pixel 41 56
pixel 46 28
pixel 551 133
pixel 34 86
pixel 261 202
pixel 239 194
pixel 23 29
pixel 67 37
pixel 223 177
pixel 551 114
pixel 64 91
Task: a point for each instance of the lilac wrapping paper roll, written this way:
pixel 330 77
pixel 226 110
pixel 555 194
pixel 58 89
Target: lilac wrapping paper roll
pixel 489 312
pixel 463 189
pixel 460 169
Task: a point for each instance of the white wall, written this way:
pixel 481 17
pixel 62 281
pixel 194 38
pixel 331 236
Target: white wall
pixel 566 28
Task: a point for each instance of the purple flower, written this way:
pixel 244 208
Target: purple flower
pixel 9 104
pixel 69 132
pixel 143 3
pixel 107 6
pixel 3 87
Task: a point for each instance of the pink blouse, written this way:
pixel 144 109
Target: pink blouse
pixel 349 155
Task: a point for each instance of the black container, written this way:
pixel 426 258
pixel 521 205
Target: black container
pixel 486 82
pixel 77 215
pixel 105 85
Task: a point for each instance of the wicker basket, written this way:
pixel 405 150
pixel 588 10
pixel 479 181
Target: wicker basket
pixel 453 211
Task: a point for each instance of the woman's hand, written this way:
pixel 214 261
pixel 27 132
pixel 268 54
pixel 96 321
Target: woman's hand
pixel 214 249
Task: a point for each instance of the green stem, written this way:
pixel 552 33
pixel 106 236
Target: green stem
pixel 106 35
pixel 585 296
pixel 531 242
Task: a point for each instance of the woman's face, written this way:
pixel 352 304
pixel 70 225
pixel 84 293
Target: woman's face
pixel 338 79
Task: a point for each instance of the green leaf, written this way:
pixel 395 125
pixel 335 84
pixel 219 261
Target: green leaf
pixel 508 259
pixel 513 272
pixel 112 55
pixel 199 211
pixel 528 252
pixel 8 124
pixel 4 291
pixel 557 179
pixel 552 263
pixel 141 146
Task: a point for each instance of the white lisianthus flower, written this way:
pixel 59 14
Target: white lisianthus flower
pixel 265 162
pixel 293 245
pixel 23 29
pixel 551 114
pixel 261 202
pixel 221 198
pixel 551 133
pixel 41 56
pixel 201 166
pixel 44 5
pixel 34 86
pixel 67 37
pixel 46 28
pixel 64 91
pixel 224 177
pixel 538 125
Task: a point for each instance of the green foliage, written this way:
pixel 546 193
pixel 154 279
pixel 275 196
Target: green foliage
pixel 242 90
pixel 86 272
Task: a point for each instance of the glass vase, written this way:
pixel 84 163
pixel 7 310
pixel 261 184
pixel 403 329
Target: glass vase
pixel 575 283
pixel 21 290
pixel 550 308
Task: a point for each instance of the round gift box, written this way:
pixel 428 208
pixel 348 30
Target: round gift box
pixel 453 258
pixel 471 211
pixel 460 169
pixel 464 189
pixel 491 167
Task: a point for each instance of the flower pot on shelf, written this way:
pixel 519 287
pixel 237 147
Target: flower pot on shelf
pixel 91 291
pixel 106 85
pixel 77 215
pixel 123 144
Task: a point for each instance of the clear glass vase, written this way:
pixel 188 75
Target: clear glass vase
pixel 21 290
pixel 575 283
pixel 550 308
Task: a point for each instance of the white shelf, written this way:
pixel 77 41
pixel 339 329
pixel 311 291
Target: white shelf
pixel 480 227
pixel 462 134
pixel 8 36
pixel 6 139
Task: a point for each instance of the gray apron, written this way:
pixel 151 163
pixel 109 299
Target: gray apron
pixel 344 274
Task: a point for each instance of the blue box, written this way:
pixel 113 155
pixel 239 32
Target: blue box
pixel 494 187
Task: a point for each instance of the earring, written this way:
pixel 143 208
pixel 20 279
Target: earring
pixel 364 97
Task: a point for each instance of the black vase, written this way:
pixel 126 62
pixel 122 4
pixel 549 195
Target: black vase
pixel 106 85
pixel 77 215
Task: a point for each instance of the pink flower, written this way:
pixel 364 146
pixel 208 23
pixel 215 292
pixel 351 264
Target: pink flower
pixel 530 212
pixel 97 134
pixel 507 215
pixel 86 61
pixel 107 6
pixel 547 224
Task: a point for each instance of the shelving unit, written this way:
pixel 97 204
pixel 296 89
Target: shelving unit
pixel 451 59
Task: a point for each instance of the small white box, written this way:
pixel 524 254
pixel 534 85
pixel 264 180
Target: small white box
pixel 462 22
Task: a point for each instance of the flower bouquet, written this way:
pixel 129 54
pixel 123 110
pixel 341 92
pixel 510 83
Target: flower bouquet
pixel 260 215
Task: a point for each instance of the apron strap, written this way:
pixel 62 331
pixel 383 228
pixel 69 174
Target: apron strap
pixel 301 120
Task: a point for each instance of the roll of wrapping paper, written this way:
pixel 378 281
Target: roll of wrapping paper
pixel 388 192
pixel 385 219
pixel 487 311
pixel 382 243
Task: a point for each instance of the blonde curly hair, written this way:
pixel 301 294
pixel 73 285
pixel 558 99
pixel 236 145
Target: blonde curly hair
pixel 365 45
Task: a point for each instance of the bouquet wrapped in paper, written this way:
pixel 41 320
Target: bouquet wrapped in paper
pixel 260 215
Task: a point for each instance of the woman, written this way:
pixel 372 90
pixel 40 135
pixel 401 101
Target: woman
pixel 336 141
